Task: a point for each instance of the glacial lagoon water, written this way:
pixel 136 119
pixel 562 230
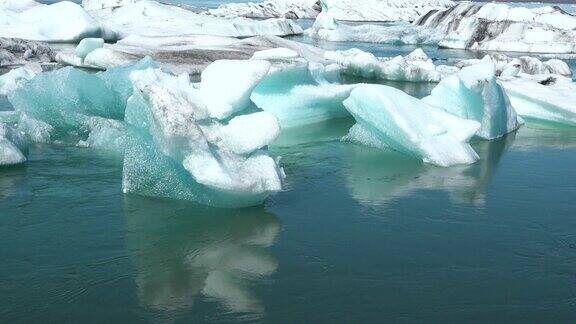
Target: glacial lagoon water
pixel 357 235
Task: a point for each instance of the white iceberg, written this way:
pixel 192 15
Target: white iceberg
pixel 150 18
pixel 88 45
pixel 227 84
pixel 548 98
pixel 508 66
pixel 190 54
pixel 474 93
pixel 59 22
pixel 13 146
pixel 383 10
pixel 293 9
pixel 15 78
pixel 499 27
pixel 350 10
pixel 410 126
pixel 104 4
pixel 327 28
pixel 414 67
pixel 176 150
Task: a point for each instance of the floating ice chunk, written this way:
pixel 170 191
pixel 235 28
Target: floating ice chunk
pixel 87 45
pixel 59 22
pixel 67 99
pixel 382 10
pixel 293 9
pixel 475 94
pixel 275 53
pixel 414 67
pixel 175 150
pixel 327 28
pixel 366 10
pixel 550 98
pixel 226 85
pixel 150 18
pixel 98 59
pixel 556 66
pixel 499 27
pixel 297 97
pixel 104 4
pixel 507 66
pixel 411 126
pixel 13 146
pixel 15 78
pixel 247 133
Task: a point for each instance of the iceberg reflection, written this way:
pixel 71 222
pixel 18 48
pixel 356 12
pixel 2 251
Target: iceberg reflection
pixel 377 178
pixel 184 253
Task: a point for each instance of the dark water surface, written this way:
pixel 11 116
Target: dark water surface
pixel 358 235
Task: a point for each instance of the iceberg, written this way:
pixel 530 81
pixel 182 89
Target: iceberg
pixel 292 9
pixel 383 10
pixel 508 66
pixel 150 18
pixel 13 146
pixel 239 78
pixel 105 4
pixel 298 93
pixel 350 10
pixel 327 28
pixel 177 150
pixel 66 104
pixel 548 98
pixel 14 51
pixel 59 22
pixel 388 117
pixel 474 93
pixel 414 67
pixel 15 78
pixel 499 27
pixel 187 54
pixel 88 45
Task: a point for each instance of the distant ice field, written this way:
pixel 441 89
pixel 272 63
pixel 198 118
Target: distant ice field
pixel 570 7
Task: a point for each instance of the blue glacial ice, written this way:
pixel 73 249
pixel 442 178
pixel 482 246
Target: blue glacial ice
pixel 388 117
pixel 67 104
pixel 299 93
pixel 177 149
pixel 474 93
